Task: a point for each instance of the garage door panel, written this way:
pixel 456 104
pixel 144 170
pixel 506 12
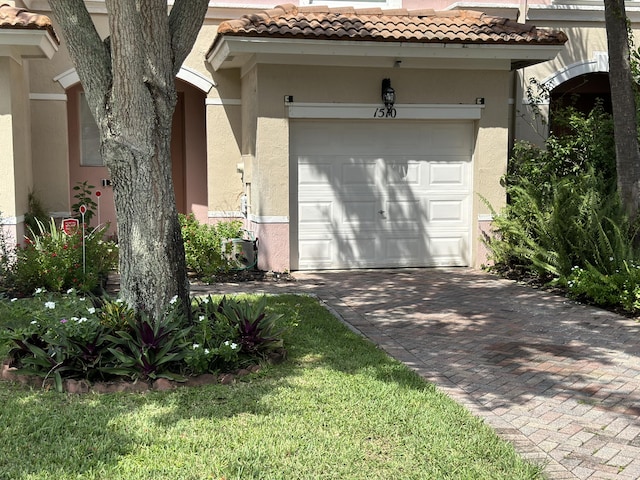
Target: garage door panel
pixel 316 252
pixel 359 174
pixel 401 249
pixel 446 250
pixel 448 174
pixel 403 172
pixel 315 173
pixel 449 211
pixel 359 212
pixel 316 212
pixel 356 249
pixel 402 211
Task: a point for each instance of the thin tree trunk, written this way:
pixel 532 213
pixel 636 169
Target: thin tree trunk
pixel 624 108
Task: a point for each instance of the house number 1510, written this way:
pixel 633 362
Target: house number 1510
pixel 384 113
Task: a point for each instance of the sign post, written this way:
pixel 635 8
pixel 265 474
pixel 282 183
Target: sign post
pixel 98 195
pixel 83 210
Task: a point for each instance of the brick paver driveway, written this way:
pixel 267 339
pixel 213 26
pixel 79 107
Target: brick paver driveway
pixel 559 380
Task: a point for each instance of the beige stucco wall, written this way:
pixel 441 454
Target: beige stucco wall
pixel 15 138
pixel 7 160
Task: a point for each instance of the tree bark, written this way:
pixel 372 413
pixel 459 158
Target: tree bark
pixel 129 81
pixel 624 107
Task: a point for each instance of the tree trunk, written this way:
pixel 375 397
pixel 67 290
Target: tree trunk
pixel 624 108
pixel 129 80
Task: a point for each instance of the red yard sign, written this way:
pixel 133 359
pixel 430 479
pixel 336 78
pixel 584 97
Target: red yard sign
pixel 70 226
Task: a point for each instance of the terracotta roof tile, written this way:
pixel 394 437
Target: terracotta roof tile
pixel 19 18
pixel 400 25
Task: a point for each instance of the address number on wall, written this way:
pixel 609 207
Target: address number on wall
pixel 384 112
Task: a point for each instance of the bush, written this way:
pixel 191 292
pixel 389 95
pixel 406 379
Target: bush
pixel 203 245
pixel 54 260
pixel 563 210
pixel 66 336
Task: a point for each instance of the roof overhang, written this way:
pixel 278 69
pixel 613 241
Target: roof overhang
pixel 27 43
pixel 242 51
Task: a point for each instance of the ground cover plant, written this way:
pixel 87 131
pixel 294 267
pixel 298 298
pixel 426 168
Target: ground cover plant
pixel 337 408
pixel 72 336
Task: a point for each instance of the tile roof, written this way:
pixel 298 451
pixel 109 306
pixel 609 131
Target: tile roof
pixel 375 24
pixel 19 18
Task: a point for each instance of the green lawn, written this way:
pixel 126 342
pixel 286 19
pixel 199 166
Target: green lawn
pixel 338 408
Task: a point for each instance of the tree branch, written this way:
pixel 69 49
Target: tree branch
pixel 185 21
pixel 89 53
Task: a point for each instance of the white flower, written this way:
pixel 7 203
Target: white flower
pixel 70 291
pixel 82 299
pixel 205 300
pixel 39 290
pixel 234 346
pixel 227 343
pixel 50 305
pixel 195 345
pixel 82 319
pixel 91 310
pixel 201 318
pixel 14 299
pixel 119 301
pixel 174 299
pixel 611 259
pixel 75 319
pixel 34 322
pixel 206 351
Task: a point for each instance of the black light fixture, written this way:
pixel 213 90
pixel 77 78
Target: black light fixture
pixel 388 94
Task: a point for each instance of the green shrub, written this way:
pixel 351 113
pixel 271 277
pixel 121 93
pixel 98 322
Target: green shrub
pixel 563 210
pixel 84 196
pixel 619 290
pixel 203 245
pixel 54 260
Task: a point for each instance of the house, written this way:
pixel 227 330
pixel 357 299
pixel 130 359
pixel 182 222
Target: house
pixel 346 135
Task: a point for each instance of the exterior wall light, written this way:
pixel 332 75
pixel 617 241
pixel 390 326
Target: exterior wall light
pixel 388 94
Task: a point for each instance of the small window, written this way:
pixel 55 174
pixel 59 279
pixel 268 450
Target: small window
pixel 89 137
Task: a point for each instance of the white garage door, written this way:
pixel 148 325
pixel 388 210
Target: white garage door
pixel 382 194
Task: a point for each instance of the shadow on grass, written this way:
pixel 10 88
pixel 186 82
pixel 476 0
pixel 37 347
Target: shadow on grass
pixel 47 434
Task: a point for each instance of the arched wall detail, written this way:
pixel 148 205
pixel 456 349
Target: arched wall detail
pixel 193 77
pixel 599 64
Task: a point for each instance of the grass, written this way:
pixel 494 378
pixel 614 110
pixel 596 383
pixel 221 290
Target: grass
pixel 338 408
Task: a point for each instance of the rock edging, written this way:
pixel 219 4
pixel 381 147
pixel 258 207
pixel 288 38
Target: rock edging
pixel 73 386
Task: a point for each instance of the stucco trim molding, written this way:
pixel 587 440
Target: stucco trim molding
pixel 268 219
pixel 223 101
pixel 189 75
pixel 196 79
pixel 402 111
pixel 59 97
pixel 224 214
pixel 12 221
